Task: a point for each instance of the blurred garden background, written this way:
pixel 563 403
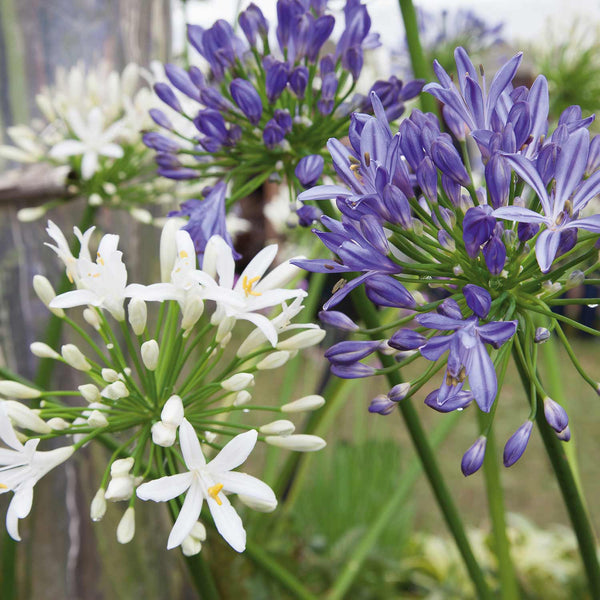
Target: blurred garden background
pixel 369 457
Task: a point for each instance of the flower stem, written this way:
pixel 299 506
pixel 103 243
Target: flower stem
pixel 421 69
pixel 568 487
pixel 405 485
pixel 419 439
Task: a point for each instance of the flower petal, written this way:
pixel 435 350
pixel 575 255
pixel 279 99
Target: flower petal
pixel 482 376
pixel 188 515
pixel 190 446
pixel 165 488
pixel 234 453
pixel 228 523
pixel 75 298
pixel 241 483
pixel 546 248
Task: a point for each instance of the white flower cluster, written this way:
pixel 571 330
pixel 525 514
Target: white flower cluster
pixel 165 397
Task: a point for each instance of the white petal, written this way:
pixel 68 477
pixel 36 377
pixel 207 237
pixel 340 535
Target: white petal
pixel 111 150
pixel 279 277
pixel 75 298
pixel 19 508
pixel 89 164
pixel 67 148
pixel 262 323
pixel 165 488
pixel 228 523
pixel 241 483
pixel 258 265
pixel 190 446
pixel 190 511
pixel 234 453
pixel 155 292
pixel 7 433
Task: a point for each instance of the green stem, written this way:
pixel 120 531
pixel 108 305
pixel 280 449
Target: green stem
pixel 568 487
pixel 419 439
pixel 271 566
pixel 387 512
pixel 421 69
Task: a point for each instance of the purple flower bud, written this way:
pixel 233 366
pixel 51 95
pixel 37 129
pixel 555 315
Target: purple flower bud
pixel 213 99
pixel 397 206
pixel 353 371
pixel 328 90
pixel 410 142
pixel 517 444
pixel 382 405
pixel 456 401
pixel 387 291
pixel 181 80
pixel 567 241
pixel 478 299
pixel 272 134
pixel 283 119
pixel 407 339
pixel 276 79
pixel 372 230
pixel 197 77
pixel 319 34
pixel 180 174
pixel 546 162
pixel 455 123
pixel 326 65
pixel 498 178
pixel 167 160
pixel 525 231
pixel 338 320
pixel 446 158
pixel 452 189
pixel 211 123
pixel 541 335
pixel 247 98
pixel 159 142
pixel 449 308
pixel 349 352
pixel 427 179
pixel 446 241
pixel 308 214
pixel 309 169
pixel 564 435
pixel 555 414
pixel 399 392
pixel 478 226
pixel 473 457
pixel 352 61
pixel 253 23
pixel 287 13
pixel 166 94
pixel 159 117
pixel 494 253
pixel 298 81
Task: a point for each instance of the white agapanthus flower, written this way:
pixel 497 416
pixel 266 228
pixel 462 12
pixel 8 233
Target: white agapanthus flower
pixel 209 481
pixel 21 467
pixel 63 251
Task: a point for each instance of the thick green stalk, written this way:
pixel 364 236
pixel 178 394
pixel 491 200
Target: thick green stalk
pixel 405 485
pixel 419 439
pixel 420 66
pixel 568 487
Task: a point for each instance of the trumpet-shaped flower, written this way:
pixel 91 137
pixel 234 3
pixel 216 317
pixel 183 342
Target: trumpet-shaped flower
pixel 209 481
pixel 21 467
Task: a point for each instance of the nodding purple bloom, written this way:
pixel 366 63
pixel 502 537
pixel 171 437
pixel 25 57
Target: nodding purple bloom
pixel 338 320
pixel 478 300
pixel 206 218
pixel 384 290
pixel 468 356
pixel 555 414
pixel 308 215
pixel 393 94
pixel 407 339
pixel 253 23
pixel 319 33
pixel 350 352
pixel 517 444
pixel 382 405
pixel 568 198
pixel 276 79
pixel 498 179
pixel 473 457
pixel 247 98
pixel 309 169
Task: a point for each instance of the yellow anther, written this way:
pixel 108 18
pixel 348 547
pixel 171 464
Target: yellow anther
pixel 214 491
pixel 183 254
pixel 367 159
pixel 100 259
pixel 3 487
pixel 353 160
pixel 247 286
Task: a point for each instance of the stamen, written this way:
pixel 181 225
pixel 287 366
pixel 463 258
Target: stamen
pixel 367 159
pixel 462 374
pixel 100 259
pixel 183 254
pixel 353 160
pixel 3 487
pixel 214 491
pixel 481 70
pixel 569 208
pixel 338 286
pixel 247 286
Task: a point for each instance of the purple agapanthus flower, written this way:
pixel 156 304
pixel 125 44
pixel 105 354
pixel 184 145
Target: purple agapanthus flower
pixel 567 199
pixel 206 218
pixel 468 357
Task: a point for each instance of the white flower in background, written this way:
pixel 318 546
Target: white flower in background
pixel 63 251
pixel 21 467
pixel 209 481
pixel 93 141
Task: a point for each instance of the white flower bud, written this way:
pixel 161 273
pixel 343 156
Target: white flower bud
pixel 91 317
pixel 237 382
pixel 304 339
pixel 126 527
pixel 279 427
pixel 58 424
pixel 75 358
pixel 303 404
pixel 121 483
pixel 273 360
pixel 142 215
pixel 242 398
pixel 42 350
pixel 191 546
pixel 198 531
pixel 150 354
pixel 33 213
pixel 45 292
pixel 299 443
pixel 258 505
pixel 163 434
pixel 115 391
pixel 98 506
pixel 97 419
pixel 89 392
pixel 168 247
pixel 172 412
pixel 24 417
pixel 138 315
pixel 192 311
pixel 109 375
pixel 211 255
pixel 121 466
pixel 224 329
pixel 14 389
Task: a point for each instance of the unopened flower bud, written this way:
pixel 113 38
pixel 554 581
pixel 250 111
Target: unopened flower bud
pixel 541 335
pixel 273 360
pixel 237 382
pixel 338 320
pixel 75 358
pixel 109 375
pixel 24 417
pixel 115 391
pixel 14 389
pixel 192 311
pixel 407 339
pixel 168 247
pixel 304 404
pixel 242 398
pixel 29 214
pixel 138 315
pixel 399 392
pixel 150 354
pixel 564 435
pixel 575 279
pixel 91 318
pixel 142 215
pixel 555 414
pixel 58 424
pixel 226 324
pixel 163 435
pixel 172 412
pixel 90 392
pixel 517 443
pixel 126 527
pixel 299 443
pixel 279 427
pixel 382 405
pixel 97 419
pixel 121 483
pixel 42 350
pixel 473 457
pixel 98 506
pixel 191 546
pixel 45 292
pixel 304 339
